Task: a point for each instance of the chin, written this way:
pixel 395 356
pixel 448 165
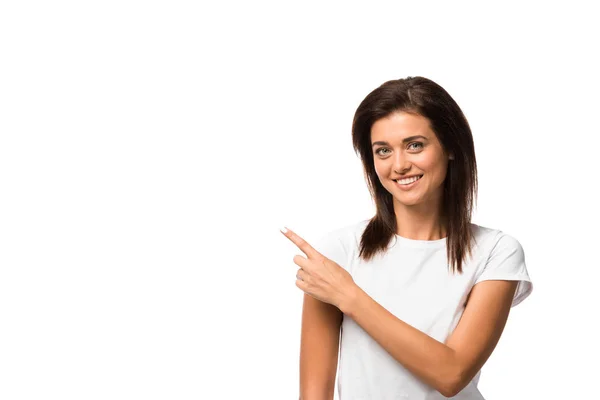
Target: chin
pixel 409 200
pixel 409 203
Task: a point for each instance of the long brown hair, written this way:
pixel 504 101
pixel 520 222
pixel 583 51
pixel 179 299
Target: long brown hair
pixel 421 96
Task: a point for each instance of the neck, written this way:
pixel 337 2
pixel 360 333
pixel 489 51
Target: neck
pixel 420 222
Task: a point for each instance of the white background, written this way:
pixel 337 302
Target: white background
pixel 150 152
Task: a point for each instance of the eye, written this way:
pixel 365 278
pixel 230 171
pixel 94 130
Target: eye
pixel 420 146
pixel 378 151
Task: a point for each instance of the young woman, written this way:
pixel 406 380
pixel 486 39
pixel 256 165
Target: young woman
pixel 420 293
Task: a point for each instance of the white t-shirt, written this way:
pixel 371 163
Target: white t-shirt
pixel 413 281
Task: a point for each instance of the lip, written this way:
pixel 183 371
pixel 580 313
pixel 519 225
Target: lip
pixel 410 186
pixel 407 176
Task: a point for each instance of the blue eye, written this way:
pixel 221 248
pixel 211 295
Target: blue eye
pixel 420 146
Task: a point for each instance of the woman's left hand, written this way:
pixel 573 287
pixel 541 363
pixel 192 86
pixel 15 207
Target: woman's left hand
pixel 321 277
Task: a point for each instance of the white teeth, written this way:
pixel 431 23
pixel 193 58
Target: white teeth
pixel 409 180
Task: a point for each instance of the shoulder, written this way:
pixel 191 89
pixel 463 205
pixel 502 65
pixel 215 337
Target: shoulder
pixel 341 244
pixel 491 239
pixel 504 259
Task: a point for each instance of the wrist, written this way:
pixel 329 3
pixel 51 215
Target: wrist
pixel 350 300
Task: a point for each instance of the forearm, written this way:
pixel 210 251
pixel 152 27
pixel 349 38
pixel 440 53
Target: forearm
pixel 430 360
pixel 316 391
pixel 317 395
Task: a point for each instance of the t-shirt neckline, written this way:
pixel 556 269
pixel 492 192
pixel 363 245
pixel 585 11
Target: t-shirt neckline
pixel 406 242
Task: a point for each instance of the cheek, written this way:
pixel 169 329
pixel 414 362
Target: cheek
pixel 437 172
pixel 432 163
pixel 380 170
pixel 429 163
pixel 384 176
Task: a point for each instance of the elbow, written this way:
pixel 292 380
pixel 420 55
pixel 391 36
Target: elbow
pixel 451 389
pixel 453 383
pixel 448 391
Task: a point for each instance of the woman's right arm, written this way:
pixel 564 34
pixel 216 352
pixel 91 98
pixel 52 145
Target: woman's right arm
pixel 319 343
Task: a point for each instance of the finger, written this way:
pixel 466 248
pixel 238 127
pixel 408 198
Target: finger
pixel 301 285
pixel 302 262
pixel 301 243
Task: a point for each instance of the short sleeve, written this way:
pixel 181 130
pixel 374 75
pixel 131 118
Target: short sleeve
pixel 507 262
pixel 333 246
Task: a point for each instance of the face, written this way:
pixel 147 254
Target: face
pixel 403 146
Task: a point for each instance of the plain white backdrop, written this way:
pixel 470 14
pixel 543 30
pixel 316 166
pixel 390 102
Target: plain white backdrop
pixel 150 152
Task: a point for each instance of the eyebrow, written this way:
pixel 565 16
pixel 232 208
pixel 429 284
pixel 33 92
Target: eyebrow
pixel 408 139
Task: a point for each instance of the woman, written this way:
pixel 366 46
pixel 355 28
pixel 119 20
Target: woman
pixel 420 293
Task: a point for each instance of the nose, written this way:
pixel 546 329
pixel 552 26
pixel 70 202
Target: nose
pixel 401 163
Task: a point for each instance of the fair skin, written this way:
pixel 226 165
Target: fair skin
pixel 447 367
pixel 417 210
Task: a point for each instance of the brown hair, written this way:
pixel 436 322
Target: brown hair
pixel 421 96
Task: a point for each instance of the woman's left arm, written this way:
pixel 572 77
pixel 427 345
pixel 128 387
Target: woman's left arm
pixel 446 367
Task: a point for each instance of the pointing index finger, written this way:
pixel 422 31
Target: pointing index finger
pixel 301 243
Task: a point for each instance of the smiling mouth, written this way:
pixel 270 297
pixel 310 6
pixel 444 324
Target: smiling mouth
pixel 408 181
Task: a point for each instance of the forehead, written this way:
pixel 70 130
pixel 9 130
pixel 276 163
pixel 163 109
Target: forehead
pixel 400 125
